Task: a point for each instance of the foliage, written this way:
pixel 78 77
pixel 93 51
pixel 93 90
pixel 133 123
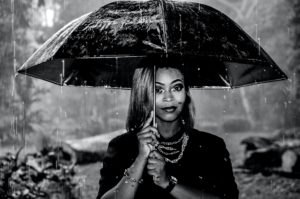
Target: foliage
pixel 295 20
pixel 293 111
pixel 39 175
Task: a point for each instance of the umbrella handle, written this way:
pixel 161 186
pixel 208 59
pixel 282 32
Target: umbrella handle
pixel 154 96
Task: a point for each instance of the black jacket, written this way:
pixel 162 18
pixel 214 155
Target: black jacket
pixel 205 165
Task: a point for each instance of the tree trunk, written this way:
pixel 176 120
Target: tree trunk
pixel 247 107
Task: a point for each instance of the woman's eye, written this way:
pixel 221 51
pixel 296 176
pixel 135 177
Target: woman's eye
pixel 159 90
pixel 178 87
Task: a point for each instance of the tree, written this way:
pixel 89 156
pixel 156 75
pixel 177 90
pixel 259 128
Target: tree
pixel 16 95
pixel 267 23
pixel 293 106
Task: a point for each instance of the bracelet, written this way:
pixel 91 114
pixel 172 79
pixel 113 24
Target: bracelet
pixel 130 179
pixel 172 183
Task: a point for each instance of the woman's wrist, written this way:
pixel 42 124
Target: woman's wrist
pixel 172 183
pixel 142 158
pixel 164 184
pixel 130 179
pixel 134 173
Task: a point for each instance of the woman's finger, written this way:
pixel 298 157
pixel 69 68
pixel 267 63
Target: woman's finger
pixel 147 135
pixel 151 147
pixel 154 131
pixel 146 140
pixel 156 155
pixel 154 161
pixel 151 166
pixel 152 172
pixel 149 129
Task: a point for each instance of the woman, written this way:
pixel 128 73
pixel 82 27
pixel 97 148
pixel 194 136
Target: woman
pixel 169 159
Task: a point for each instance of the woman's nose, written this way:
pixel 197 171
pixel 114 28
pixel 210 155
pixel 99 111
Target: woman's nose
pixel 168 96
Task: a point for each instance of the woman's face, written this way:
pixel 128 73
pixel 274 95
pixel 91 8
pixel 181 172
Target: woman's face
pixel 170 94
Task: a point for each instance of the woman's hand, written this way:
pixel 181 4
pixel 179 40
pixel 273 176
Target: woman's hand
pixel 147 138
pixel 156 168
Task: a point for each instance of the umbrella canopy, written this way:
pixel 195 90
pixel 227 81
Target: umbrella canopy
pixel 104 47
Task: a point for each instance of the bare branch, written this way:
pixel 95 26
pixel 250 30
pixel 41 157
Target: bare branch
pixel 253 5
pixel 232 6
pixel 244 5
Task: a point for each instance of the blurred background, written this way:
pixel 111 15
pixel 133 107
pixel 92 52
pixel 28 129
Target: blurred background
pixel 31 107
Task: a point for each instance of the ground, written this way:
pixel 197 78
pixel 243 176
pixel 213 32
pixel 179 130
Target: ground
pixel 251 186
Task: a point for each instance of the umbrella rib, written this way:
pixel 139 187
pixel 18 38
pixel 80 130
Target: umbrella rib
pixel 224 80
pixel 164 25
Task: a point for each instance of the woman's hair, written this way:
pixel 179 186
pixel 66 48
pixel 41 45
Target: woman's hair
pixel 141 100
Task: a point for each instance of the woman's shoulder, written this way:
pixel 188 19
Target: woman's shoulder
pixel 205 137
pixel 126 138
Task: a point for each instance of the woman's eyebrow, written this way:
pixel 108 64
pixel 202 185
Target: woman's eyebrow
pixel 177 80
pixel 174 81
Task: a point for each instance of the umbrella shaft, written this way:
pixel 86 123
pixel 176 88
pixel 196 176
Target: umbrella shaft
pixel 154 96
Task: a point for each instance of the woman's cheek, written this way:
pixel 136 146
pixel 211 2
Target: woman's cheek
pixel 180 98
pixel 158 99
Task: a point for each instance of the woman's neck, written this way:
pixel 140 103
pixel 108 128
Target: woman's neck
pixel 168 129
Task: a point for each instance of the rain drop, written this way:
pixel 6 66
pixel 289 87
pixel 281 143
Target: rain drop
pixel 256 32
pixel 116 191
pixel 258 39
pixel 61 85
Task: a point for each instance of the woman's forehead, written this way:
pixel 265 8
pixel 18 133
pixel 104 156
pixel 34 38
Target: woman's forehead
pixel 168 75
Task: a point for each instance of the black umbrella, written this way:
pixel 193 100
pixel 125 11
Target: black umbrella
pixel 104 47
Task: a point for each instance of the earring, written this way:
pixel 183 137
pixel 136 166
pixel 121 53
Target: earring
pixel 183 122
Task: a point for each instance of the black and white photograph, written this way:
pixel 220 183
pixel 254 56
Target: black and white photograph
pixel 143 99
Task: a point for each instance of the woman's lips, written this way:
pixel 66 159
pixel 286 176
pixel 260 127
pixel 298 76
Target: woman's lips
pixel 169 109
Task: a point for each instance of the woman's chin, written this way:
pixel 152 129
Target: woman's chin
pixel 168 118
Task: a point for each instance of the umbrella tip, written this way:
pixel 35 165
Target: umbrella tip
pixel 16 74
